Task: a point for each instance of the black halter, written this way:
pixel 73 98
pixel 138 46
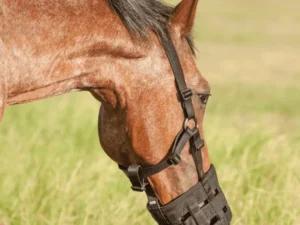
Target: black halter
pixel 199 202
pixel 136 173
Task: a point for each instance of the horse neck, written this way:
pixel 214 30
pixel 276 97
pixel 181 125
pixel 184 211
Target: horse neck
pixel 61 47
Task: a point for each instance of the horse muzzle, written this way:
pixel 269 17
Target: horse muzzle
pixel 203 204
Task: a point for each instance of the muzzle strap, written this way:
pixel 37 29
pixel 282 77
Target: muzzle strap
pixel 153 207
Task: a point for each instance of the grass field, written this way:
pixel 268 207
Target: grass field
pixel 53 171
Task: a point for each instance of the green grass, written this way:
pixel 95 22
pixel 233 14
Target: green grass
pixel 53 171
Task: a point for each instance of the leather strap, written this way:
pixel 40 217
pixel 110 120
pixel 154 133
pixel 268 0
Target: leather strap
pixel 185 96
pixel 137 174
pixel 174 155
pixel 184 93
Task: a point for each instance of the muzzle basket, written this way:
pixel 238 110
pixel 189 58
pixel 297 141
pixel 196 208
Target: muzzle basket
pixel 203 204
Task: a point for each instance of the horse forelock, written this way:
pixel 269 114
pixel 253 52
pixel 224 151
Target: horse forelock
pixel 142 16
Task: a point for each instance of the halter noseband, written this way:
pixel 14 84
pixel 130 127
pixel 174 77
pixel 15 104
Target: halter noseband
pixel 203 204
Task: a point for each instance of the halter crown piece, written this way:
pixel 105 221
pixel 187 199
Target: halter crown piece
pixel 203 204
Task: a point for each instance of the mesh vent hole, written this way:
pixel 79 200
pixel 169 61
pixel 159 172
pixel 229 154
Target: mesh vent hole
pixel 214 220
pixel 215 192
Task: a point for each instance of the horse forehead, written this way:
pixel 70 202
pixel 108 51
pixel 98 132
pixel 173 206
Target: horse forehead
pixel 194 78
pixel 154 75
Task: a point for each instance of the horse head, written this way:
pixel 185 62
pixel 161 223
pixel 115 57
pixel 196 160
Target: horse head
pixel 142 131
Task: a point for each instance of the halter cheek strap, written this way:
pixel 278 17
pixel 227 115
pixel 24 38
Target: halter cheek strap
pixel 137 173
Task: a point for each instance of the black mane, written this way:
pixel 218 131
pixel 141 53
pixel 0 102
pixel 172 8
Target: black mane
pixel 141 15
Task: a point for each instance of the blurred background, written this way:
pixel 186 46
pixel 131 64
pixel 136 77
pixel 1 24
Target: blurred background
pixel 53 171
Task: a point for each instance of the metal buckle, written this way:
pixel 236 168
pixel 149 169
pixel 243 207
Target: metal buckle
pixel 186 94
pixel 186 123
pixel 174 159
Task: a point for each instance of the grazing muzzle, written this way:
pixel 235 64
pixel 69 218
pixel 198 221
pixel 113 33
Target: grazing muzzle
pixel 203 204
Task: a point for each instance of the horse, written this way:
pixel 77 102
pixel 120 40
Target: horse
pixel 125 53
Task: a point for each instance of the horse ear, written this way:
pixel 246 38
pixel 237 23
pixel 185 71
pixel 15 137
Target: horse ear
pixel 184 16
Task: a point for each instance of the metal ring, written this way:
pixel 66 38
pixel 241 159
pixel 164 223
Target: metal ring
pixel 186 123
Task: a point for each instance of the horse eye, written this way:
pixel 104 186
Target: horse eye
pixel 203 98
